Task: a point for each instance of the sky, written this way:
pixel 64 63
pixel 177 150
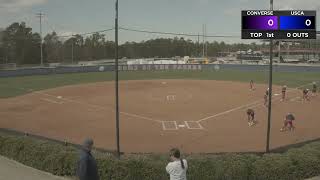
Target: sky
pixel 66 17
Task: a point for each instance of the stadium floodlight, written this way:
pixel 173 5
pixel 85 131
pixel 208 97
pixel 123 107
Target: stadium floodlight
pixel 117 81
pixel 270 89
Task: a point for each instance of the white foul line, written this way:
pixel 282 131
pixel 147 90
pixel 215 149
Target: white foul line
pixel 138 116
pixel 100 107
pixel 228 111
pixel 51 101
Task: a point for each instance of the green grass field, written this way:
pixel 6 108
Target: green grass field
pixel 14 86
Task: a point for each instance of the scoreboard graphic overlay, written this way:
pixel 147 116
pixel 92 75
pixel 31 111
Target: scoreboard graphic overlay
pixel 267 24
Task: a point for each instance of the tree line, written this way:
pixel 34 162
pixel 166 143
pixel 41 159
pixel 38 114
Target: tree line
pixel 19 44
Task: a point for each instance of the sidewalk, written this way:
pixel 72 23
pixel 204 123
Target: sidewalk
pixel 11 170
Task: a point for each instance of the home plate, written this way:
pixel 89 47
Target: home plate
pixel 164 82
pixel 59 97
pixel 182 126
pixel 276 94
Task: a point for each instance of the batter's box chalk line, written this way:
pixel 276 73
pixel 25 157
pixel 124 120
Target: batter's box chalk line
pixel 171 97
pixel 169 125
pixel 193 125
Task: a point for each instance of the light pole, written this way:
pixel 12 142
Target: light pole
pixel 203 46
pixel 117 83
pixel 270 89
pixel 72 44
pixel 40 15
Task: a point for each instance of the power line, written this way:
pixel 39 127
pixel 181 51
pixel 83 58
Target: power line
pixel 49 25
pixel 83 34
pixel 177 34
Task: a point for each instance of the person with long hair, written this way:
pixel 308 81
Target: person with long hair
pixel 251 120
pixel 288 123
pixel 177 168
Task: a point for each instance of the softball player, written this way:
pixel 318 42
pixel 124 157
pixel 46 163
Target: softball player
pixel 251 120
pixel 284 91
pixel 252 85
pixel 305 95
pixel 314 88
pixel 288 122
pixel 265 97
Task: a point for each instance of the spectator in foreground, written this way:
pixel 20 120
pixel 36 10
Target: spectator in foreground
pixel 178 167
pixel 87 166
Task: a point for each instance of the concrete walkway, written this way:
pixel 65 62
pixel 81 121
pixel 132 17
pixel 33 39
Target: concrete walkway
pixel 11 170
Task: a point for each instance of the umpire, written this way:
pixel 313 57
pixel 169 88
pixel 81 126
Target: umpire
pixel 87 166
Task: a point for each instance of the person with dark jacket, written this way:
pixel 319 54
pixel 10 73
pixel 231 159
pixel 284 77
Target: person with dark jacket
pixel 87 166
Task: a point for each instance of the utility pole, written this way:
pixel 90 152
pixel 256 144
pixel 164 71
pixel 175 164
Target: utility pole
pixel 270 89
pixel 40 15
pixel 203 40
pixel 72 44
pixel 198 48
pixel 117 82
pixel 205 30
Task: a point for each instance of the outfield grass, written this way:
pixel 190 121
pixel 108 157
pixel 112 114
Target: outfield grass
pixel 14 86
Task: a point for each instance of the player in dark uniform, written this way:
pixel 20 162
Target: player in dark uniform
pixel 314 88
pixel 284 91
pixel 251 120
pixel 305 95
pixel 265 97
pixel 288 122
pixel 252 85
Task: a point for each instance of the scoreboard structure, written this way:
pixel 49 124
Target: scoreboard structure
pixel 268 24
